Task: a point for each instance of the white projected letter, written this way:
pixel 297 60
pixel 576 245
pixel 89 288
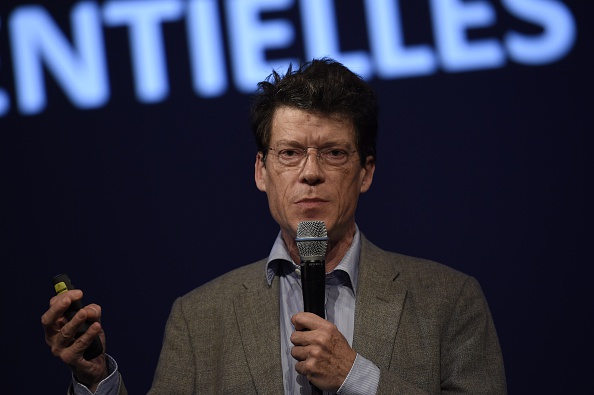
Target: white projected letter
pixel 144 20
pixel 207 56
pixel 451 19
pixel 80 69
pixel 558 36
pixel 320 34
pixel 250 37
pixel 392 58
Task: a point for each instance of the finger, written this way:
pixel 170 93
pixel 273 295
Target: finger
pixel 66 335
pixel 80 344
pixel 306 321
pixel 71 350
pixel 70 343
pixel 58 305
pixel 300 368
pixel 305 348
pixel 53 318
pixel 73 294
pixel 87 315
pixel 300 353
pixel 302 338
pixel 306 368
pixel 68 332
pixel 93 312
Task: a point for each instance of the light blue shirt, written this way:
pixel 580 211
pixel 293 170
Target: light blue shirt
pixel 109 385
pixel 341 286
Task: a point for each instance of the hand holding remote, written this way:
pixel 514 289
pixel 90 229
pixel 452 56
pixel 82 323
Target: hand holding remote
pixel 62 284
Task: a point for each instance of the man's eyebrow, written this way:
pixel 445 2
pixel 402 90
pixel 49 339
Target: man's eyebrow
pixel 292 142
pixel 324 144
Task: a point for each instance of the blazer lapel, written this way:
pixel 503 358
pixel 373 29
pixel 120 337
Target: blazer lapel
pixel 257 312
pixel 380 300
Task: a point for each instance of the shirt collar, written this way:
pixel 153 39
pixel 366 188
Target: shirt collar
pixel 280 262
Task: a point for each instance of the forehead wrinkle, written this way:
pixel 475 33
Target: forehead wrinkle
pixel 330 143
pixel 294 119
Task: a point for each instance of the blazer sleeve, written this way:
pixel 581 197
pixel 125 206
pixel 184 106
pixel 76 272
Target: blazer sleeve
pixel 175 371
pixel 471 360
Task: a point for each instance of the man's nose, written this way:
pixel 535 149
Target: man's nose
pixel 312 171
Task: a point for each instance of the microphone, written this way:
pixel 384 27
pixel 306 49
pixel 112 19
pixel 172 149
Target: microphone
pixel 312 240
pixel 62 283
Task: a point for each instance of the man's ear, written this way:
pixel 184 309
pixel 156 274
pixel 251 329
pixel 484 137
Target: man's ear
pixel 367 173
pixel 260 172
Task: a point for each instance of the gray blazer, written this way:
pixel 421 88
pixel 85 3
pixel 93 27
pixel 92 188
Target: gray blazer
pixel 426 326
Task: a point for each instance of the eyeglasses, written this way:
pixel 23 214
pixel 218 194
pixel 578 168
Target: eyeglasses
pixel 294 157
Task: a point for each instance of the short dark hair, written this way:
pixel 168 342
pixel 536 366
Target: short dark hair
pixel 322 86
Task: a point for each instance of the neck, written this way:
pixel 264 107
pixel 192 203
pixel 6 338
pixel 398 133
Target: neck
pixel 335 251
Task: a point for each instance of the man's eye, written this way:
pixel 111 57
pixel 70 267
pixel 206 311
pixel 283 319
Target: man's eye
pixel 335 153
pixel 289 153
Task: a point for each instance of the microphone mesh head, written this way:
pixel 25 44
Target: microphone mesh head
pixel 312 230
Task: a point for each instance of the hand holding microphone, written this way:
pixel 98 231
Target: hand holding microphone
pixel 312 241
pixel 333 363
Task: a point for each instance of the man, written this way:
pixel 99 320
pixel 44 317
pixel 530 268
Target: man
pixel 395 324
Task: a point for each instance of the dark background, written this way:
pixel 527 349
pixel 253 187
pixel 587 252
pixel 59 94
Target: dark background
pixel 487 171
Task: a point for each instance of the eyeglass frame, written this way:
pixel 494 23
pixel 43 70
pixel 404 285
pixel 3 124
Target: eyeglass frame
pixel 305 152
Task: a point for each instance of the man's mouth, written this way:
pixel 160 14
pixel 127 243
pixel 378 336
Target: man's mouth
pixel 311 202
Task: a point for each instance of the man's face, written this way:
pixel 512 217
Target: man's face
pixel 315 189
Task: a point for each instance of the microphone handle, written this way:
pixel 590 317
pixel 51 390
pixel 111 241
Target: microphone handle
pixel 313 284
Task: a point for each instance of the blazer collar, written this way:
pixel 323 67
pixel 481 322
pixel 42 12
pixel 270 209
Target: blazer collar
pixel 258 318
pixel 379 305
